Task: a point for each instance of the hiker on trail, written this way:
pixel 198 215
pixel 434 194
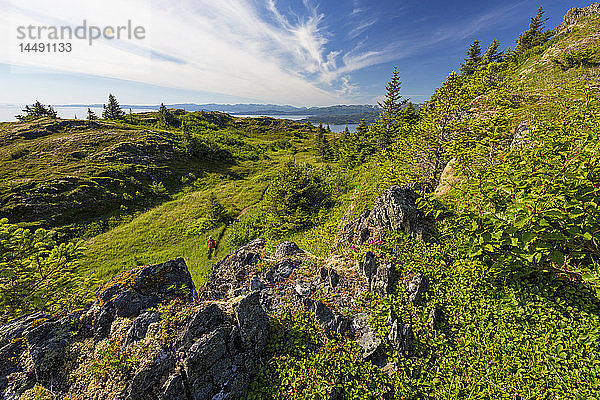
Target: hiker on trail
pixel 211 246
pixel 211 243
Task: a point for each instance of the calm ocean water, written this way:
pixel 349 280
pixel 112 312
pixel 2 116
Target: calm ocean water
pixel 8 112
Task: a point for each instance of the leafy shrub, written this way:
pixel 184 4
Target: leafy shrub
pixel 294 199
pixel 577 58
pixel 37 274
pixel 246 229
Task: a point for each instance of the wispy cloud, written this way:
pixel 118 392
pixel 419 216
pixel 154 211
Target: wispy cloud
pixel 241 48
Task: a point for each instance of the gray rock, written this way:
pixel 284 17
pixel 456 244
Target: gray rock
pixel 303 289
pixel 329 276
pixel 368 268
pixel 174 388
pixel 130 303
pixel 380 277
pixel 131 292
pixel 370 343
pixel 47 346
pixel 401 337
pixel 147 379
pixel 256 284
pixel 415 287
pixel 205 319
pixel 366 337
pixel 140 325
pixel 332 323
pixel 394 210
pixel 384 282
pixel 15 328
pixel 252 321
pixel 230 272
pixel 281 271
pixel 287 249
pixel 205 352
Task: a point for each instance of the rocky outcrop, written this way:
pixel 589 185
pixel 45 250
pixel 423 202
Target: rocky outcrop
pixel 211 351
pixel 574 15
pixel 380 276
pixel 230 273
pixel 287 249
pixel 394 210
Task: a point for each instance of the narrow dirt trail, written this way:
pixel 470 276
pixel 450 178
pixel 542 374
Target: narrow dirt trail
pixel 226 227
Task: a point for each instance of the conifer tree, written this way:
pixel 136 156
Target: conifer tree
pixel 91 116
pixel 113 109
pixel 473 60
pixel 492 54
pixel 321 143
pixel 166 118
pixel 536 34
pixel 391 110
pixel 35 111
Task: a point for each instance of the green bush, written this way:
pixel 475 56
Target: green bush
pixel 295 198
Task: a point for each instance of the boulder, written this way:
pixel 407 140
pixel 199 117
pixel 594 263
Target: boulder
pixel 287 249
pixel 231 272
pixel 130 293
pixel 400 337
pixel 332 323
pixel 394 210
pixel 447 179
pixel 366 337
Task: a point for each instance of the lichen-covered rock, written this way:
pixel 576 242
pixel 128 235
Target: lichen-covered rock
pixel 416 285
pixel 366 337
pixel 380 277
pixel 332 323
pixel 47 346
pixel 140 326
pixel 231 272
pixel 287 249
pixel 394 210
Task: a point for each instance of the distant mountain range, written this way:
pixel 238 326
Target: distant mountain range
pixel 339 114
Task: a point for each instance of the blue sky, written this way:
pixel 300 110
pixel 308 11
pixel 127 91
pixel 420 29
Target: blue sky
pixel 299 52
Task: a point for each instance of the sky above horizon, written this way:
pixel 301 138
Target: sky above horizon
pixel 298 52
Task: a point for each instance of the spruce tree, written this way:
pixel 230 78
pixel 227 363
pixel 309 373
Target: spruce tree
pixel 35 111
pixel 492 54
pixel 91 116
pixel 113 109
pixel 391 110
pixel 473 60
pixel 535 36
